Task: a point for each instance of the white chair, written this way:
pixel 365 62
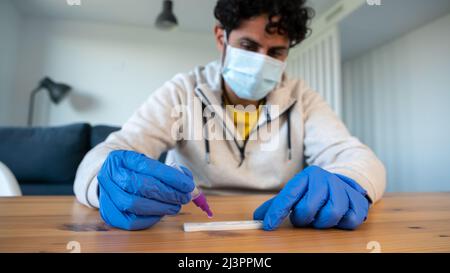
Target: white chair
pixel 8 182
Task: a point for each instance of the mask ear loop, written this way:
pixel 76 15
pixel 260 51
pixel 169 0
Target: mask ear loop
pixel 225 44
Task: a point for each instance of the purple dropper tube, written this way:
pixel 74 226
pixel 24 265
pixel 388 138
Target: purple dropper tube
pixel 198 197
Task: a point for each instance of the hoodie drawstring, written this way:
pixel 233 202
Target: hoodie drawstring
pixel 289 134
pixel 206 132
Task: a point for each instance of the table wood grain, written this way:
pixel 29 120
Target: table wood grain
pixel 408 222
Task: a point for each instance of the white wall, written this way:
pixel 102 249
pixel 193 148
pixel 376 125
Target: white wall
pixel 112 68
pixel 397 100
pixel 10 22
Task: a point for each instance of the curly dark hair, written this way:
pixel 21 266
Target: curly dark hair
pixel 294 16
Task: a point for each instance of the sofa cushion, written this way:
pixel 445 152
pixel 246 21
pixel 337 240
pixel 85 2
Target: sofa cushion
pixel 48 155
pixel 100 132
pixel 45 189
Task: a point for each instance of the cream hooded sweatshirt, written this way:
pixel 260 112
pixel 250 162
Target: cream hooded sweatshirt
pixel 296 128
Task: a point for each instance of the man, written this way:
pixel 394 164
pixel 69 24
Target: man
pixel 280 127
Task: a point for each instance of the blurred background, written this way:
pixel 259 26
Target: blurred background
pixel 383 65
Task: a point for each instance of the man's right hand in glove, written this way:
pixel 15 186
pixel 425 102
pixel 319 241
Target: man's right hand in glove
pixel 137 191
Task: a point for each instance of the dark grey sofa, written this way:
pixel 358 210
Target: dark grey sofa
pixel 45 159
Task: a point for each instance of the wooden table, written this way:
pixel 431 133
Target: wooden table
pixel 417 222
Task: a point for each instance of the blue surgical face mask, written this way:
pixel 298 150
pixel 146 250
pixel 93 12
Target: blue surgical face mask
pixel 251 75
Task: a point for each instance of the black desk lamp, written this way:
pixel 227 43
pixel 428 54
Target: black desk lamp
pixel 57 92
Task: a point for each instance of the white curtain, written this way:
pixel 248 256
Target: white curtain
pixel 317 61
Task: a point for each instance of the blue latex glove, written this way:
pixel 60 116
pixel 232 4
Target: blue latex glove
pixel 317 198
pixel 137 191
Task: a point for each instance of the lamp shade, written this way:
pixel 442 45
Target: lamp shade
pixel 57 91
pixel 166 20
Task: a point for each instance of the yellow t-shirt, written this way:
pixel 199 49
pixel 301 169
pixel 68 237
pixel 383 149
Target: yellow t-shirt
pixel 244 121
